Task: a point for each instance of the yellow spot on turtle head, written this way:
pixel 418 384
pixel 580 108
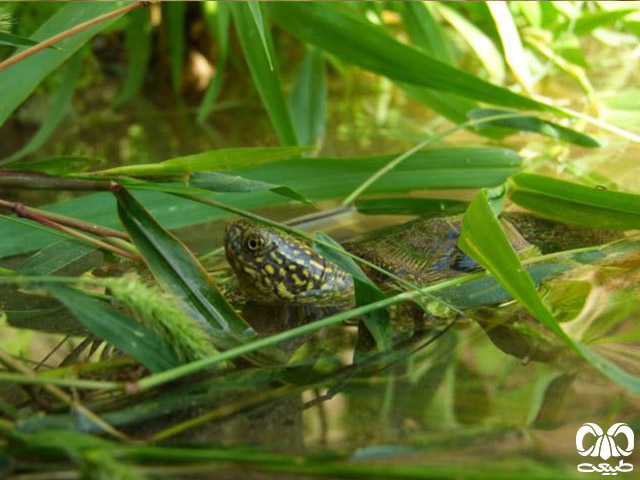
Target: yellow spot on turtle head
pixel 313 263
pixel 293 267
pixel 269 269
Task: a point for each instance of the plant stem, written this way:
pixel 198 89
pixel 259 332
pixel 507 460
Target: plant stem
pixel 68 33
pixel 41 181
pixel 27 213
pixel 78 224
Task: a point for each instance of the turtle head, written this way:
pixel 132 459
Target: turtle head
pixel 274 267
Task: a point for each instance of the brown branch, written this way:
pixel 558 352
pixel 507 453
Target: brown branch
pixel 41 181
pixel 22 211
pixel 67 33
pixel 76 223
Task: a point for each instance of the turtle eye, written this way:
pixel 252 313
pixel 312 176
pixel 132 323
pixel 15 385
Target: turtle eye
pixel 254 242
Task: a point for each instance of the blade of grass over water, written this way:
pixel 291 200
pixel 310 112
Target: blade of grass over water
pixel 574 203
pixel 61 102
pixel 425 143
pixel 22 78
pixel 116 329
pixel 222 20
pixel 308 100
pixel 483 238
pixel 364 45
pixel 314 178
pixel 179 272
pixel 264 69
pixel 428 207
pixel 175 13
pixel 212 160
pixel 138 41
pixel 534 124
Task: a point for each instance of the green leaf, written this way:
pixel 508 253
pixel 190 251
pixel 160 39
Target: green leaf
pixel 377 322
pixel 213 160
pixel 427 207
pixel 511 44
pixel 116 329
pixel 576 204
pixel 354 41
pixel 308 101
pixel 315 178
pixel 256 13
pixel 21 79
pixel 423 29
pixel 53 258
pixel 265 76
pixel 58 165
pixel 480 43
pixel 138 44
pixel 179 272
pixel 534 124
pixel 18 41
pixel 589 21
pixel 61 103
pixel 483 238
pixel 222 31
pixel 219 182
pixel 175 16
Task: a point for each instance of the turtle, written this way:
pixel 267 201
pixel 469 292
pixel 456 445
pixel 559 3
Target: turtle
pixel 275 268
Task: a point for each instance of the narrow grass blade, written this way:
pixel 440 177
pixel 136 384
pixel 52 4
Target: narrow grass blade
pixel 116 329
pixel 264 71
pixel 511 43
pixel 138 48
pixel 175 17
pixel 354 41
pixel 534 124
pixel 21 79
pixel 378 322
pixel 61 103
pixel 51 259
pixel 256 13
pixel 589 21
pixel 308 101
pixel 179 272
pixel 576 204
pixel 480 43
pixel 483 238
pixel 213 160
pixel 423 29
pixel 222 17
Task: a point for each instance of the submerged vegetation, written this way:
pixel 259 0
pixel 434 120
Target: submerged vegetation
pixel 132 132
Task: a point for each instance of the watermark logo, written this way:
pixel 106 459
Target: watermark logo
pixel 605 447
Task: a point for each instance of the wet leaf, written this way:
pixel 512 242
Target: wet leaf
pixel 178 271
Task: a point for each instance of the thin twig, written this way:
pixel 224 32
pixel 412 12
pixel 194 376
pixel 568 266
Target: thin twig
pixel 20 210
pixel 68 33
pixel 78 224
pixel 41 181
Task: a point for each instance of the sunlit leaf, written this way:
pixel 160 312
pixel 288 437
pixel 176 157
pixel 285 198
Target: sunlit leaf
pixel 264 71
pixel 427 207
pixel 58 165
pixel 576 204
pixel 483 238
pixel 213 160
pixel 364 45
